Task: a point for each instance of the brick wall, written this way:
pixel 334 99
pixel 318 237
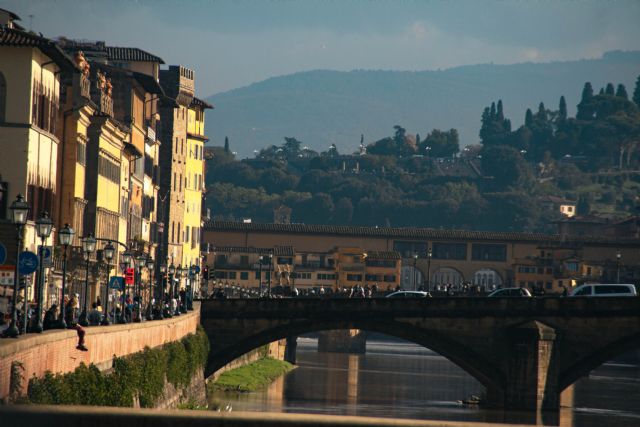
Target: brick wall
pixel 55 350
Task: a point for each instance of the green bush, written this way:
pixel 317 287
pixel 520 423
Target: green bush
pixel 142 374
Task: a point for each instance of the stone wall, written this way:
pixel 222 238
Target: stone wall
pixel 56 351
pixel 275 350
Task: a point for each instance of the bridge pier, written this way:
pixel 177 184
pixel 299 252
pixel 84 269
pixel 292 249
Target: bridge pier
pixel 352 341
pixel 532 374
pixel 290 349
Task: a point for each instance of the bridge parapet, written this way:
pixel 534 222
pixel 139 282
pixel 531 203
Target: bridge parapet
pixel 525 351
pixel 55 350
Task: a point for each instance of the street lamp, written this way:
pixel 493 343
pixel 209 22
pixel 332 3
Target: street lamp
pixel 65 235
pixel 415 280
pixel 125 263
pixel 618 256
pixel 261 258
pixel 150 305
pixel 429 255
pixel 137 299
pixel 172 271
pixel 108 252
pixel 43 229
pixel 270 269
pixel 176 295
pixel 88 247
pixel 19 210
pixel 160 290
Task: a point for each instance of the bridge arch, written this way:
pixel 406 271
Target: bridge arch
pixel 587 364
pixel 488 278
pixel 475 364
pixel 447 275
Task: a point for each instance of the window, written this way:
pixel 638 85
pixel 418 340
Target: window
pixel 408 249
pixel 283 260
pixel 354 277
pixel 180 183
pixel 391 278
pixel 109 169
pixel 244 275
pixel 81 153
pixel 232 275
pixel 244 259
pixel 444 250
pixel 258 275
pixel 173 230
pixel 187 235
pixel 174 181
pixel 488 252
pixel 176 146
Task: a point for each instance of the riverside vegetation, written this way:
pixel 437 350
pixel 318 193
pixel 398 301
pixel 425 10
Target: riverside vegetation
pixel 142 375
pixel 251 377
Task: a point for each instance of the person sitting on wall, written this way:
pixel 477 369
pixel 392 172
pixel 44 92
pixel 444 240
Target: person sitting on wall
pixel 50 317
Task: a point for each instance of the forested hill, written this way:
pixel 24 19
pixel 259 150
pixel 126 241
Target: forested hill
pixel 323 107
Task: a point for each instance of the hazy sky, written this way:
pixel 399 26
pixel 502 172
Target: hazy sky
pixel 235 43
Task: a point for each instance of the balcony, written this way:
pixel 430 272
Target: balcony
pixel 311 265
pixel 106 104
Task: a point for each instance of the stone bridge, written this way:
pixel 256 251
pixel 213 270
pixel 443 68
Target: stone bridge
pixel 524 351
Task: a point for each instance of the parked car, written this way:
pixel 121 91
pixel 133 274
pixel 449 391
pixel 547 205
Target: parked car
pixel 409 294
pixel 605 290
pixel 510 293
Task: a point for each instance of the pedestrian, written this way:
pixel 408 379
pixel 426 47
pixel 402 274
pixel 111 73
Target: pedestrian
pixel 50 317
pixel 564 291
pixel 94 315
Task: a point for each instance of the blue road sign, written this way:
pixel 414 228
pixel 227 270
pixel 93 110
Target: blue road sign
pixel 27 262
pixel 47 255
pixel 3 254
pixel 116 282
pixel 197 269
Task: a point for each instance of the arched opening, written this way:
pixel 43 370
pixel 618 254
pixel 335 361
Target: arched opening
pixel 487 279
pixel 411 278
pixel 3 98
pixel 445 276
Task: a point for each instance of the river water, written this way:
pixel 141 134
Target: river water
pixel 397 379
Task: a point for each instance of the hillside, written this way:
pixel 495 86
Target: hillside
pixel 323 107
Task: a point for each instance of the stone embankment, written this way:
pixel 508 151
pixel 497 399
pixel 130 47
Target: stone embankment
pixel 55 350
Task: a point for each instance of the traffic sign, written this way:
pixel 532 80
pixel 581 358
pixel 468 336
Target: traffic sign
pixel 27 262
pixel 197 269
pixel 47 255
pixel 3 254
pixel 116 282
pixel 129 276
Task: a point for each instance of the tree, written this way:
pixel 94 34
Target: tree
pixel 562 110
pixel 495 128
pixel 583 207
pixel 609 90
pixel 226 144
pixel 343 213
pixel 636 92
pixel 528 118
pixel 587 92
pixel 585 111
pixel 507 166
pixel 622 91
pixel 442 144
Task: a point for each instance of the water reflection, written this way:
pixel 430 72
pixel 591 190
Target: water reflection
pixel 402 380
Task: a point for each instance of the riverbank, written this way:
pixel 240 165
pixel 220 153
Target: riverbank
pixel 251 377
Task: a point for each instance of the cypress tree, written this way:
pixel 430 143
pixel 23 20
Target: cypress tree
pixel 542 112
pixel 528 118
pixel 601 91
pixel 500 112
pixel 226 144
pixel 610 90
pixel 622 91
pixel 417 140
pixel 562 109
pixel 493 110
pixel 587 92
pixel 636 92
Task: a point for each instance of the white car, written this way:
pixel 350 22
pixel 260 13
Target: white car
pixel 409 294
pixel 605 290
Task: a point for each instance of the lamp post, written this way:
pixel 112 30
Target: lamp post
pixel 126 261
pixel 88 247
pixel 618 256
pixel 176 294
pixel 172 271
pixel 429 255
pixel 19 210
pixel 192 279
pixel 109 252
pixel 65 235
pixel 137 300
pixel 43 229
pixel 160 291
pixel 260 258
pixel 415 280
pixel 150 304
pixel 270 270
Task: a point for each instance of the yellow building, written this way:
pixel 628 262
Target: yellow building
pixel 194 182
pixel 31 70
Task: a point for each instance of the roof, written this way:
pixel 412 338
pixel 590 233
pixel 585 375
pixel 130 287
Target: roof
pixel 17 38
pixel 556 200
pixel 131 54
pixel 197 102
pixel 409 233
pixel 11 14
pixel 149 84
pixel 276 250
pixel 383 255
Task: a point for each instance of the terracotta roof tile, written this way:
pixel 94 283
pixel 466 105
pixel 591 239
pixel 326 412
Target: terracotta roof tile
pixel 18 38
pixel 131 54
